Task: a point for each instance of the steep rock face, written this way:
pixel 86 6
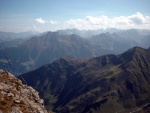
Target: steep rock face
pixel 106 84
pixel 18 98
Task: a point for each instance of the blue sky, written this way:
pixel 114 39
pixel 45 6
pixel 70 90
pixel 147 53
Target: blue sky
pixel 45 15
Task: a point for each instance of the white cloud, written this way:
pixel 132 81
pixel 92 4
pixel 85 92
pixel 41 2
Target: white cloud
pixel 52 22
pixel 136 20
pixel 78 23
pixel 40 20
pixel 97 20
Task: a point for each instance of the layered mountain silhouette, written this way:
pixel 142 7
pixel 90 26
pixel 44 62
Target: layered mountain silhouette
pixel 29 54
pixel 43 49
pixel 128 33
pixel 105 84
pixel 87 33
pixel 8 36
pixel 121 41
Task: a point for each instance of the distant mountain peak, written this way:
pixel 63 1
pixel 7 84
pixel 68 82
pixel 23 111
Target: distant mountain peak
pixel 135 51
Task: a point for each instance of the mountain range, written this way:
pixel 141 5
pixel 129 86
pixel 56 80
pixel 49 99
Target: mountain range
pixel 8 36
pixel 27 54
pixel 105 84
pixel 10 39
pixel 90 33
pixel 40 50
pixel 119 42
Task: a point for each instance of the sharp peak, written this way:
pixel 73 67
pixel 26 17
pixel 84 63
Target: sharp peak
pixel 135 51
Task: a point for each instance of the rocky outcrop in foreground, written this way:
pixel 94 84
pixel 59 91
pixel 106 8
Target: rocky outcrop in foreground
pixel 18 98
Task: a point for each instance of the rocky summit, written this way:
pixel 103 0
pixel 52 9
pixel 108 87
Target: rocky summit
pixel 18 98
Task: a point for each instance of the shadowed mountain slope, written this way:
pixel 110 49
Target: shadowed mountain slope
pixel 106 84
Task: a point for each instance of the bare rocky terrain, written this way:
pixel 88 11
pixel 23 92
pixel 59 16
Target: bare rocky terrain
pixel 18 98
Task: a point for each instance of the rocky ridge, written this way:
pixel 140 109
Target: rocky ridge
pixel 105 84
pixel 18 98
